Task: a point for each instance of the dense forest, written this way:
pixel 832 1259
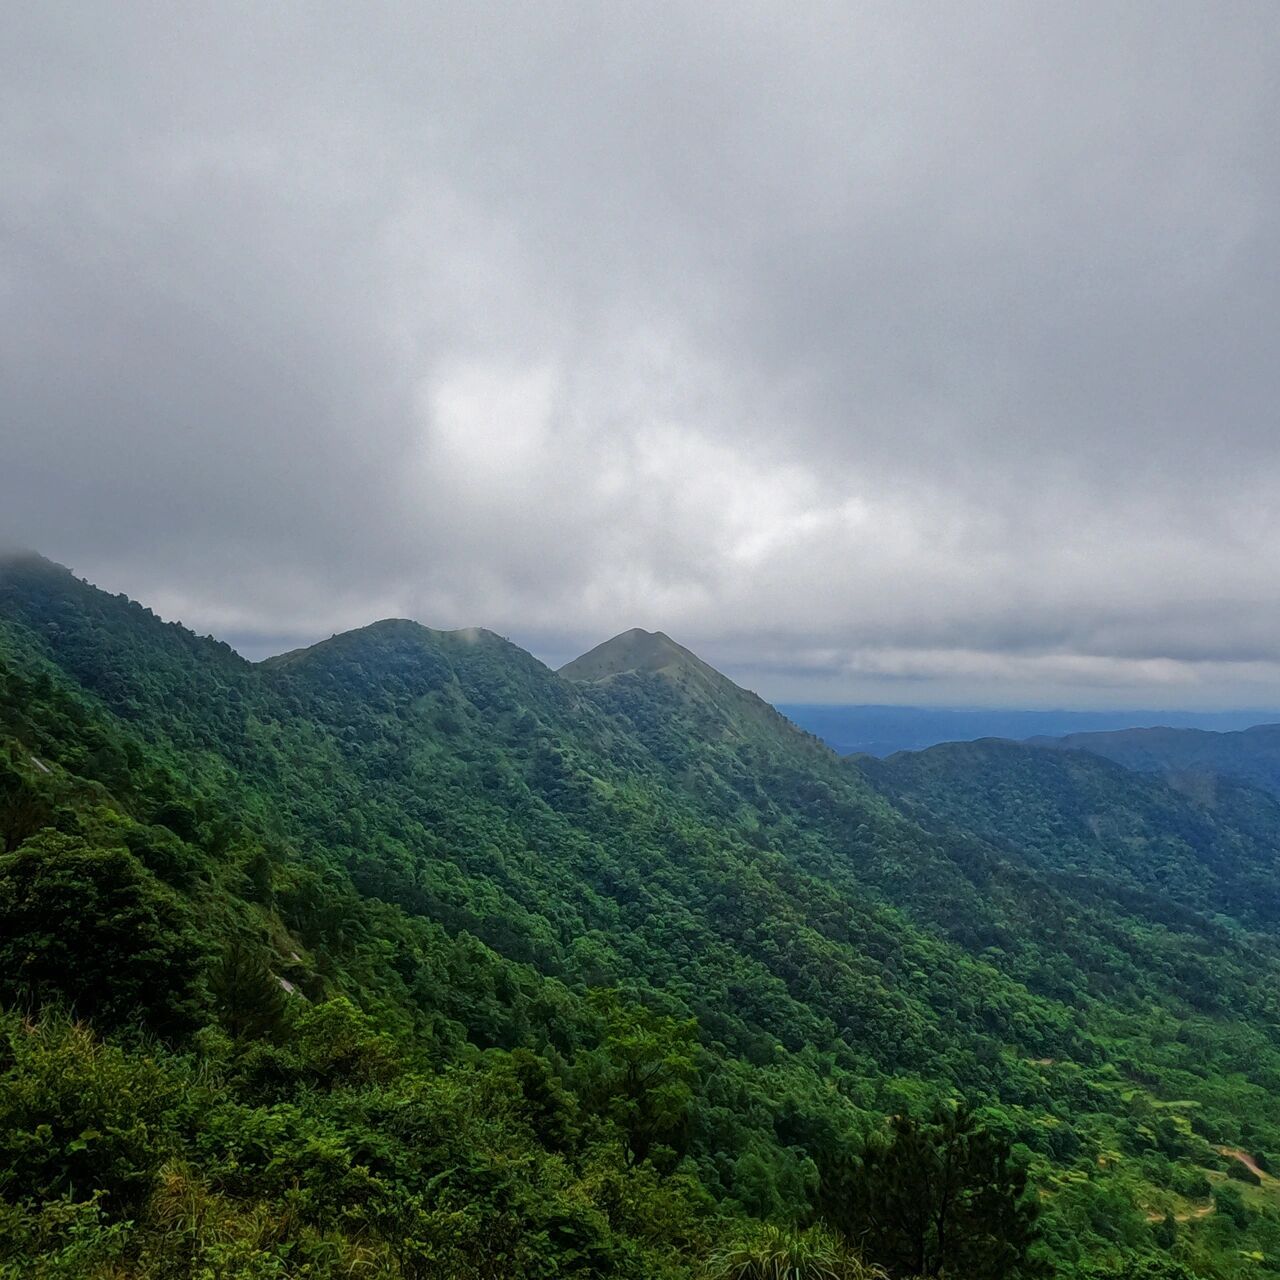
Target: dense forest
pixel 405 956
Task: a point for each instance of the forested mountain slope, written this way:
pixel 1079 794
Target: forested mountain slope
pixel 726 709
pixel 1194 756
pixel 1079 818
pixel 397 923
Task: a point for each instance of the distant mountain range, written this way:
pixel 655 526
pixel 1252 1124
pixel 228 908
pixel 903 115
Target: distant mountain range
pixel 1184 755
pixel 881 730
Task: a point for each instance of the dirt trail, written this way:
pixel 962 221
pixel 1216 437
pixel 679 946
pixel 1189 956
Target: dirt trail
pixel 1203 1211
pixel 1245 1159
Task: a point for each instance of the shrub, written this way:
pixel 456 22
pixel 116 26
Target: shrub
pixel 775 1253
pixel 78 1118
pixel 88 927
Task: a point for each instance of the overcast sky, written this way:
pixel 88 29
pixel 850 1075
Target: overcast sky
pixel 879 352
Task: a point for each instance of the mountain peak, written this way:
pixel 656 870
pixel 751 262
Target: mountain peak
pixel 739 712
pixel 634 650
pixel 388 636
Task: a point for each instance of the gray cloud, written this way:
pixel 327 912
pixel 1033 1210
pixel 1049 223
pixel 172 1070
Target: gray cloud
pixel 920 351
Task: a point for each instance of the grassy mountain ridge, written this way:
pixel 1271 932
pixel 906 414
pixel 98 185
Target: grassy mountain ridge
pixel 465 846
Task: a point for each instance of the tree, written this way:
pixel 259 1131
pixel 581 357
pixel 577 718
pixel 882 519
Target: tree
pixel 23 810
pixel 338 1044
pixel 644 1073
pixel 942 1196
pixel 90 928
pixel 249 996
pixel 546 1105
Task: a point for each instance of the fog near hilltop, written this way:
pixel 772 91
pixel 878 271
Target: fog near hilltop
pixel 901 353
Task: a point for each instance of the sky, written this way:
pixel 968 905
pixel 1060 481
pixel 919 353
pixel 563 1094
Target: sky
pixel 880 352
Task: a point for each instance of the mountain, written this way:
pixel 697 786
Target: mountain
pixel 1250 755
pixel 638 650
pixel 405 952
pixel 883 730
pixel 726 709
pixel 1082 820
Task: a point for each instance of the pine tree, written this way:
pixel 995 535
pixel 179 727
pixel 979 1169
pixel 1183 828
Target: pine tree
pixel 940 1197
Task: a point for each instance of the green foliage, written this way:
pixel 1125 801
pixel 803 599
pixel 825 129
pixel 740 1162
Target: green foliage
pixel 88 927
pixel 78 1118
pixel 64 1239
pixel 940 1197
pixel 777 1254
pixel 643 1077
pixel 343 919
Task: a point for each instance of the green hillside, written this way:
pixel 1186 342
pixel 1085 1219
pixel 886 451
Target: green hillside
pixel 725 709
pixel 1076 817
pixel 404 955
pixel 638 650
pixel 1193 757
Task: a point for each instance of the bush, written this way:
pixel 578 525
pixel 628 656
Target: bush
pixel 778 1254
pixel 1228 1202
pixel 78 1118
pixel 90 928
pixel 62 1240
pixel 1191 1181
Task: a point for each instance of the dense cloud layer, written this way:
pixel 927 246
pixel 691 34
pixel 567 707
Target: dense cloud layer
pixel 886 352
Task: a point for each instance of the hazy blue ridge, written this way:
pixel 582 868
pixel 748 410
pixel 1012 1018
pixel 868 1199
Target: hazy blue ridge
pixel 882 730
